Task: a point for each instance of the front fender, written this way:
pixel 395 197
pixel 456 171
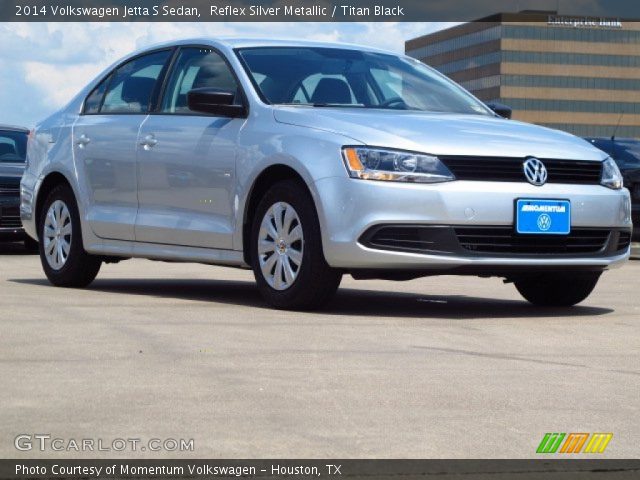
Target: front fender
pixel 312 154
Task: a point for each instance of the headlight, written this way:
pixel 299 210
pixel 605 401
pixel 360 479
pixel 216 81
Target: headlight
pixel 394 165
pixel 611 176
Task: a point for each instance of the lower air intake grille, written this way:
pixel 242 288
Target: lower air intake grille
pixel 401 238
pixel 624 240
pixel 505 240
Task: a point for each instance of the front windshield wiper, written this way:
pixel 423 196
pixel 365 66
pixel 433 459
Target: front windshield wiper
pixel 344 105
pixel 340 105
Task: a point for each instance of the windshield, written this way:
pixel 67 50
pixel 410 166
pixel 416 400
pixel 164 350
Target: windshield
pixel 351 78
pixel 13 146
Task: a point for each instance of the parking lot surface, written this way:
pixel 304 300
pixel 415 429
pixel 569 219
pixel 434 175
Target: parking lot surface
pixel 440 367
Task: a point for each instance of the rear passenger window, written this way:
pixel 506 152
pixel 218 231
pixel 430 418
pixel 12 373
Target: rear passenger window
pixel 196 68
pixel 132 84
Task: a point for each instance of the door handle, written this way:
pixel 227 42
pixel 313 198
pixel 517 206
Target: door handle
pixel 149 141
pixel 82 140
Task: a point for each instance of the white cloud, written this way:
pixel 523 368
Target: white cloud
pixel 52 61
pixel 59 83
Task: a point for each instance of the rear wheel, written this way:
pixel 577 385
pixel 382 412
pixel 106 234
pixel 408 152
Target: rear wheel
pixel 63 258
pixel 286 250
pixel 557 289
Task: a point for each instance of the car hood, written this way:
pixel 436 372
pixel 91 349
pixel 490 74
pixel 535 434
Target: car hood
pixel 441 133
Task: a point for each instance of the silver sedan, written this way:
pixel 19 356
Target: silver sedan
pixel 307 161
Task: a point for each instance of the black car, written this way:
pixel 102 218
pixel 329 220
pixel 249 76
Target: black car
pixel 626 153
pixel 13 149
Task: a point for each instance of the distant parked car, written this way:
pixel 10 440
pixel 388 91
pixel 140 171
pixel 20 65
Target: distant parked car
pixel 626 153
pixel 13 147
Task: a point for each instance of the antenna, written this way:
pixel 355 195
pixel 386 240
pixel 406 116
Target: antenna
pixel 613 137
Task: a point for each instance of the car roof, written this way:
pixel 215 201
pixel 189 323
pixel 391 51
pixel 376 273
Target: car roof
pixel 13 128
pixel 240 42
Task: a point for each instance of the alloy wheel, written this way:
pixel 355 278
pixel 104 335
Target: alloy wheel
pixel 57 234
pixel 280 246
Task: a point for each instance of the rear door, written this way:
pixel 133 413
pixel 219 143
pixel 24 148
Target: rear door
pixel 186 173
pixel 105 140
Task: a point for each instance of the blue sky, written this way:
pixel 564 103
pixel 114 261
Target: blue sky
pixel 50 62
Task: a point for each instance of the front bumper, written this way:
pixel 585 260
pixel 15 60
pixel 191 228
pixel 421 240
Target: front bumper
pixel 348 208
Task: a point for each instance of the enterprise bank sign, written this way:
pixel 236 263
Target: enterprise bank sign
pixel 584 22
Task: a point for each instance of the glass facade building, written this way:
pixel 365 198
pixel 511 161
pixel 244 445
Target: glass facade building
pixel 576 74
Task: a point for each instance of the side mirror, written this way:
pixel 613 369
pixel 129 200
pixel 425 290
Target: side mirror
pixel 215 101
pixel 500 109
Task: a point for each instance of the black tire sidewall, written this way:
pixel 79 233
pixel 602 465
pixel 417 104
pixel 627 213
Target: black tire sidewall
pixel 314 269
pixel 78 266
pixel 558 289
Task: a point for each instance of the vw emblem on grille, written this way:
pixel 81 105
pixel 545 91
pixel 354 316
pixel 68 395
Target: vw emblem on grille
pixel 544 222
pixel 535 171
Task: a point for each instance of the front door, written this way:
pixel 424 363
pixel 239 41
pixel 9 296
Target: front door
pixel 186 160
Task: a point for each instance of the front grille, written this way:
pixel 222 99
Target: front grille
pixel 10 217
pixel 624 240
pixel 10 221
pixel 507 169
pixel 9 193
pixel 505 240
pixel 9 189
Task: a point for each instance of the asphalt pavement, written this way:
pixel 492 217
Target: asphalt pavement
pixel 442 367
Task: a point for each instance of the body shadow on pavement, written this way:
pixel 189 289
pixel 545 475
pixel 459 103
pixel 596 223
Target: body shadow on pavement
pixel 348 301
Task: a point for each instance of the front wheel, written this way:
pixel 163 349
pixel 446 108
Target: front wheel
pixel 286 250
pixel 63 258
pixel 557 289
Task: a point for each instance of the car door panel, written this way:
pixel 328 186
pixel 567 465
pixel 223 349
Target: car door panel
pixel 105 154
pixel 186 165
pixel 186 181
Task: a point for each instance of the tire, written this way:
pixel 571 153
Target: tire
pixel 557 289
pixel 306 285
pixel 30 244
pixel 78 268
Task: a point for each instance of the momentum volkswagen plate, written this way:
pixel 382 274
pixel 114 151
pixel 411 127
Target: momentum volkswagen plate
pixel 543 217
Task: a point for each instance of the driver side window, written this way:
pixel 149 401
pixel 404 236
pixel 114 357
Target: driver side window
pixel 196 68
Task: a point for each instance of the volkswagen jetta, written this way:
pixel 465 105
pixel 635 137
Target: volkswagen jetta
pixel 307 161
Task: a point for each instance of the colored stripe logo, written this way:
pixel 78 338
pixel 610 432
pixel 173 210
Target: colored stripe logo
pixel 574 443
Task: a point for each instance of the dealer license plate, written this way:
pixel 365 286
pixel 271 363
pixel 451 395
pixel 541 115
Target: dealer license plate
pixel 543 217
